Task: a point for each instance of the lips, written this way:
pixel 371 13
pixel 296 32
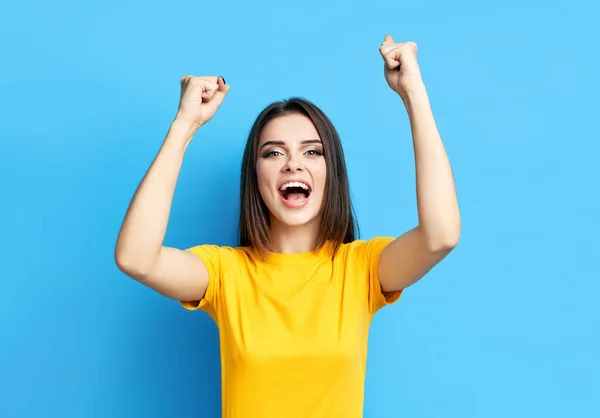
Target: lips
pixel 295 193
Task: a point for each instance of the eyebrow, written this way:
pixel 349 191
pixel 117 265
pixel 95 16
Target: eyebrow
pixel 307 141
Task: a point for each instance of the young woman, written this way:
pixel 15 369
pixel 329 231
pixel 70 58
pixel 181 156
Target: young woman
pixel 294 301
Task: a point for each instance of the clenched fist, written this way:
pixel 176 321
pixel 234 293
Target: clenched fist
pixel 401 66
pixel 200 98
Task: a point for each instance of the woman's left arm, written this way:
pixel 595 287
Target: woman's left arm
pixel 409 257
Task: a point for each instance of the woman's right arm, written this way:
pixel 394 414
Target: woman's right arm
pixel 139 251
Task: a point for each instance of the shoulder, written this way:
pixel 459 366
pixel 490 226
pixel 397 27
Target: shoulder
pixel 365 250
pixel 221 255
pixel 362 262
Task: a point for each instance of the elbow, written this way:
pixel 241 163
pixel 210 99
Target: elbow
pixel 123 263
pixel 442 248
pixel 444 243
pixel 129 265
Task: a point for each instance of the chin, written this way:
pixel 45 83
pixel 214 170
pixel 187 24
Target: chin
pixel 295 219
pixel 294 213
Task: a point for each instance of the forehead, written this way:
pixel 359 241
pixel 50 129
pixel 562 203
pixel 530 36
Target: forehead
pixel 289 128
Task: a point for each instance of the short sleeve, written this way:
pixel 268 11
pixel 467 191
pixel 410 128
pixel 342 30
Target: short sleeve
pixel 377 298
pixel 211 257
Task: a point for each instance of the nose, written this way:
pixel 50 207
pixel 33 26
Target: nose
pixel 293 164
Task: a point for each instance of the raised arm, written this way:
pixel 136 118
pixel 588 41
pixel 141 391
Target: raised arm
pixel 410 256
pixel 139 251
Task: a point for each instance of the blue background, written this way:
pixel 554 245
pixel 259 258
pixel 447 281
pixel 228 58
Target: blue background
pixel 507 326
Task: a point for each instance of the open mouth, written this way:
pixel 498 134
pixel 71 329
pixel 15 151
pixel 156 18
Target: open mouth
pixel 294 191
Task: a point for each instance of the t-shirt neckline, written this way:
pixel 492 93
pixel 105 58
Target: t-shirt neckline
pixel 299 258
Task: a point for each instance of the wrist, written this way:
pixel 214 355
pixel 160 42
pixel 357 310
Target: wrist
pixel 415 97
pixel 182 131
pixel 186 123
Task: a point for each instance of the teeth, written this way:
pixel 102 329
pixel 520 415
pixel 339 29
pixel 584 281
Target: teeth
pixel 294 184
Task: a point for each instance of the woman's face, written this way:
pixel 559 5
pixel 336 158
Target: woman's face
pixel 291 170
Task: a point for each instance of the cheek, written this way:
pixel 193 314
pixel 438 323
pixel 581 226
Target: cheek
pixel 263 178
pixel 319 173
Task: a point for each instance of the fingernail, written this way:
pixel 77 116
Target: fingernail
pixel 223 80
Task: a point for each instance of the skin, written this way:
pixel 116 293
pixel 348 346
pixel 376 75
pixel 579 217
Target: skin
pixel 139 252
pixel 290 149
pixel 410 256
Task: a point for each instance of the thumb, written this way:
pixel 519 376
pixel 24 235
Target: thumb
pixel 388 53
pixel 391 62
pixel 222 90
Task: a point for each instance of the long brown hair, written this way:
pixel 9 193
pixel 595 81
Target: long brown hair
pixel 338 223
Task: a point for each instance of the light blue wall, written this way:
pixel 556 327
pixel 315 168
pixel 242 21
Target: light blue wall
pixel 507 326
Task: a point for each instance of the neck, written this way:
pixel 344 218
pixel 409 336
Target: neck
pixel 288 239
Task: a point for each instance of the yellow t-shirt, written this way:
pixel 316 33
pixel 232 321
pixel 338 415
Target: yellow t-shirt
pixel 293 328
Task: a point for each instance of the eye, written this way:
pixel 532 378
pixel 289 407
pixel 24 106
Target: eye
pixel 273 153
pixel 314 151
